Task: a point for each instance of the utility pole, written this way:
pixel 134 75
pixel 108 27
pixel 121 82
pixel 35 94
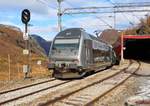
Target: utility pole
pixel 9 66
pixel 59 14
pixel 122 47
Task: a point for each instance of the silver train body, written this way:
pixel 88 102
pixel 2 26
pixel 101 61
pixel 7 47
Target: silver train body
pixel 74 53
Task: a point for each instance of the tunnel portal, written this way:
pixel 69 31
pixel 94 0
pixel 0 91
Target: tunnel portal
pixel 137 48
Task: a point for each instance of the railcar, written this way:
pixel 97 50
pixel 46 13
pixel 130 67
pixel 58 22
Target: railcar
pixel 74 53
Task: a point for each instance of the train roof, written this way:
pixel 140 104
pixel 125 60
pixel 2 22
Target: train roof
pixel 70 33
pixel 96 39
pixel 76 33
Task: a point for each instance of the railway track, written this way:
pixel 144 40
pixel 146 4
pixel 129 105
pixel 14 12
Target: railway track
pixel 84 97
pixel 26 86
pixel 9 96
pixel 28 93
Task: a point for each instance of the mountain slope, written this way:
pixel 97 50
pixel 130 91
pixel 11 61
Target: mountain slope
pixel 43 43
pixel 12 40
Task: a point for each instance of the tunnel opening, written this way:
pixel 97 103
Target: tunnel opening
pixel 138 49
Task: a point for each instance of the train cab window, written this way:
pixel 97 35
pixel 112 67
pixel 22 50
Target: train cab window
pixel 65 47
pixel 63 44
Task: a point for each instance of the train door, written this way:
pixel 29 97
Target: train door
pixel 88 52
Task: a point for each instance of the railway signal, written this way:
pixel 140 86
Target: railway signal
pixel 25 18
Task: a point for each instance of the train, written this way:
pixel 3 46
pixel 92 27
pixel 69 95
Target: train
pixel 74 53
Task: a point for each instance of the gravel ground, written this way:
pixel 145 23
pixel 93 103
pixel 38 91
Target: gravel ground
pixel 29 81
pixel 20 83
pixel 143 78
pixel 29 90
pixel 119 95
pixel 90 93
pixel 139 84
pixel 82 82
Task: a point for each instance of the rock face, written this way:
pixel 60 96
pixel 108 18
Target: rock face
pixel 112 37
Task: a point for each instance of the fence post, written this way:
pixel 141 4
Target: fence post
pixel 18 70
pixel 9 66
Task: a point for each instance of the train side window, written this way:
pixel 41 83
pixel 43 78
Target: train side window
pixel 54 48
pixel 87 43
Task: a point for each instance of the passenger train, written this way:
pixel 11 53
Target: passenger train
pixel 74 53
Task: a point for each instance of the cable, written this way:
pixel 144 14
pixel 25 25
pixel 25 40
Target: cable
pixel 130 22
pixel 103 21
pixel 46 3
pixel 69 3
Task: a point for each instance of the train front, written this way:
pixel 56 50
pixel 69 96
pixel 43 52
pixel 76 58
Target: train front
pixel 64 55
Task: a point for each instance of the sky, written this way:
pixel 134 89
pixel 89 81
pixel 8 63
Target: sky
pixel 44 16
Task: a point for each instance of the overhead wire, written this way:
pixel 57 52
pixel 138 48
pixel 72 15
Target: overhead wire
pixel 46 3
pixel 69 3
pixel 72 6
pixel 104 21
pixel 115 4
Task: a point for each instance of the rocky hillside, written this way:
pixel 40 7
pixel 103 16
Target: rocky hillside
pixel 11 47
pixel 11 41
pixel 110 36
pixel 143 28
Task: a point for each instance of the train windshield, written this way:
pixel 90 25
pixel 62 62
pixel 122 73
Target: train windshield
pixel 65 47
pixel 61 44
